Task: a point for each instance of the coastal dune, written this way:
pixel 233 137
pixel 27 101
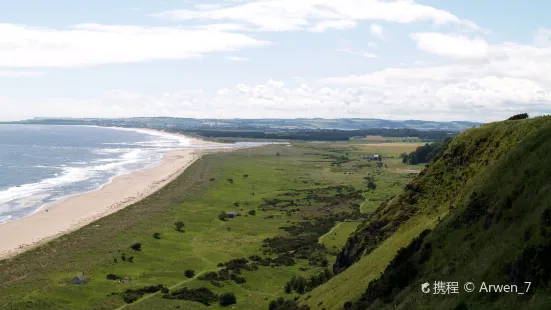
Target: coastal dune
pixel 74 212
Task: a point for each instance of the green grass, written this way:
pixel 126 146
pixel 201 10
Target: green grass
pixel 40 278
pixel 335 239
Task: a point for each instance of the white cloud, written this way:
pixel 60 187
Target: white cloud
pixel 20 73
pixel 454 46
pixel 332 24
pixel 236 58
pixel 372 44
pixel 376 30
pixel 543 37
pixel 503 79
pixel 291 15
pixel 357 53
pixel 436 93
pixel 92 44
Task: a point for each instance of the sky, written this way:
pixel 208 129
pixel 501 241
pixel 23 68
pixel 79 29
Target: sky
pixel 427 59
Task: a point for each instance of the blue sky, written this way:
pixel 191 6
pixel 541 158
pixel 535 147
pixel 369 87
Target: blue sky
pixel 404 59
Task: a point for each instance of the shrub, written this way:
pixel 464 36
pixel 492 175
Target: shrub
pixel 179 225
pixel 112 276
pixel 252 212
pixel 518 116
pixel 222 216
pixel 245 176
pixel 131 259
pixel 227 299
pixel 189 273
pixel 136 246
pixel 123 257
pixel 202 295
pixel 165 290
pixel 157 235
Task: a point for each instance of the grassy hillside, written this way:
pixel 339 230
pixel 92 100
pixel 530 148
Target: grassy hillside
pixel 475 198
pixel 298 194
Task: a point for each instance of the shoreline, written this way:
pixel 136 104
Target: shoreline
pixel 73 212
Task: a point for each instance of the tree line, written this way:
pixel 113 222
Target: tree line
pixel 425 153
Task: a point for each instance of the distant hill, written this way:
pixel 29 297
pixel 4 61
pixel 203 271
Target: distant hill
pixel 481 212
pixel 299 123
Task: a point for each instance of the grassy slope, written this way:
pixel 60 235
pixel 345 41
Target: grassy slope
pixel 419 207
pixel 498 233
pixel 39 279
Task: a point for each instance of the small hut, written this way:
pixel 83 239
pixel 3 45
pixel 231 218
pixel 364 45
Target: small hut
pixel 80 279
pixel 231 214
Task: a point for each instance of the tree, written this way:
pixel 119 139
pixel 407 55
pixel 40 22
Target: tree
pixel 227 299
pixel 130 259
pixel 288 288
pixel 404 157
pixel 518 116
pixel 222 216
pixel 189 273
pixel 157 235
pixel 179 225
pixel 252 212
pixel 136 246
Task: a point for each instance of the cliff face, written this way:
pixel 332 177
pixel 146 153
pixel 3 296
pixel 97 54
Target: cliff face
pixel 489 193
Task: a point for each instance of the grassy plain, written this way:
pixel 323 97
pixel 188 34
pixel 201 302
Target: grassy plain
pixel 242 180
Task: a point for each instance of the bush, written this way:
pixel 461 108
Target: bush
pixel 202 295
pixel 179 225
pixel 518 116
pixel 227 299
pixel 240 280
pixel 131 259
pixel 136 246
pixel 112 276
pixel 222 216
pixel 157 235
pixel 252 212
pixel 189 273
pixel 165 290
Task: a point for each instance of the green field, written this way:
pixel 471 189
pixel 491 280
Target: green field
pixel 289 188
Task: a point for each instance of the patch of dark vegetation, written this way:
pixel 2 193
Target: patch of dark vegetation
pixel 189 273
pixel 426 153
pixel 136 246
pixel 518 116
pixel 227 299
pixel 112 276
pixel 131 295
pixel 533 264
pixel 179 226
pixel 231 272
pixel 157 235
pixel 202 295
pixel 302 285
pixel 322 134
pixel 286 304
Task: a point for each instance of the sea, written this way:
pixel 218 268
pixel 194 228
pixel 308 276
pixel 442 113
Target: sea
pixel 40 164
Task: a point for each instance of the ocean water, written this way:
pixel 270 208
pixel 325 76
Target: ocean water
pixel 40 164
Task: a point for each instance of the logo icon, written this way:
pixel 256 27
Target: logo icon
pixel 425 287
pixel 469 287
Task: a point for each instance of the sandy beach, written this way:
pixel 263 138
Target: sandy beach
pixel 77 211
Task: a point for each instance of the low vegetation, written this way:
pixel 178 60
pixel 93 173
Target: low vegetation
pixel 289 203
